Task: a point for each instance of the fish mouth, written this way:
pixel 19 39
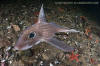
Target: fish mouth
pixel 16 48
pixel 22 48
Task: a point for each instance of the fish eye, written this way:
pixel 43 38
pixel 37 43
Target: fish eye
pixel 32 35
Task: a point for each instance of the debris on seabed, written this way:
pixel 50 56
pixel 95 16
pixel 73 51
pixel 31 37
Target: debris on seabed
pixel 51 64
pixel 41 63
pixel 15 27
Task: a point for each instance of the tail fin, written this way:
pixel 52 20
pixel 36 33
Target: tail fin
pixel 41 17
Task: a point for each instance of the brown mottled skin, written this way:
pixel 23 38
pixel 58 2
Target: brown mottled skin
pixel 44 32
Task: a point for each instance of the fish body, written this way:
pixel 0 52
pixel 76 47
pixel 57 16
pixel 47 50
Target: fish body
pixel 42 32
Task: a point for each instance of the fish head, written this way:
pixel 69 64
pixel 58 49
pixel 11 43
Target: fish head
pixel 27 39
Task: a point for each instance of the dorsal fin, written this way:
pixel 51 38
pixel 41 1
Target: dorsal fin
pixel 41 17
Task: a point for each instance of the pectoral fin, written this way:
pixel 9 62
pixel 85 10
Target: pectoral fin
pixel 59 44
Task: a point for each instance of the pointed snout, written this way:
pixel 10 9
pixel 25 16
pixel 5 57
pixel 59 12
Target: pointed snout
pixel 19 45
pixel 16 47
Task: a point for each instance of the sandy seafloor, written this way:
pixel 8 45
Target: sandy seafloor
pixel 15 16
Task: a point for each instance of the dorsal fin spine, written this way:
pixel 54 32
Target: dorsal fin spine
pixel 41 17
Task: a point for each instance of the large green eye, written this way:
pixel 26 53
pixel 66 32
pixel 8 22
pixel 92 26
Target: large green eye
pixel 32 35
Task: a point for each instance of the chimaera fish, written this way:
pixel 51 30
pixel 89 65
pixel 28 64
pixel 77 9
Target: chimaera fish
pixel 42 32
